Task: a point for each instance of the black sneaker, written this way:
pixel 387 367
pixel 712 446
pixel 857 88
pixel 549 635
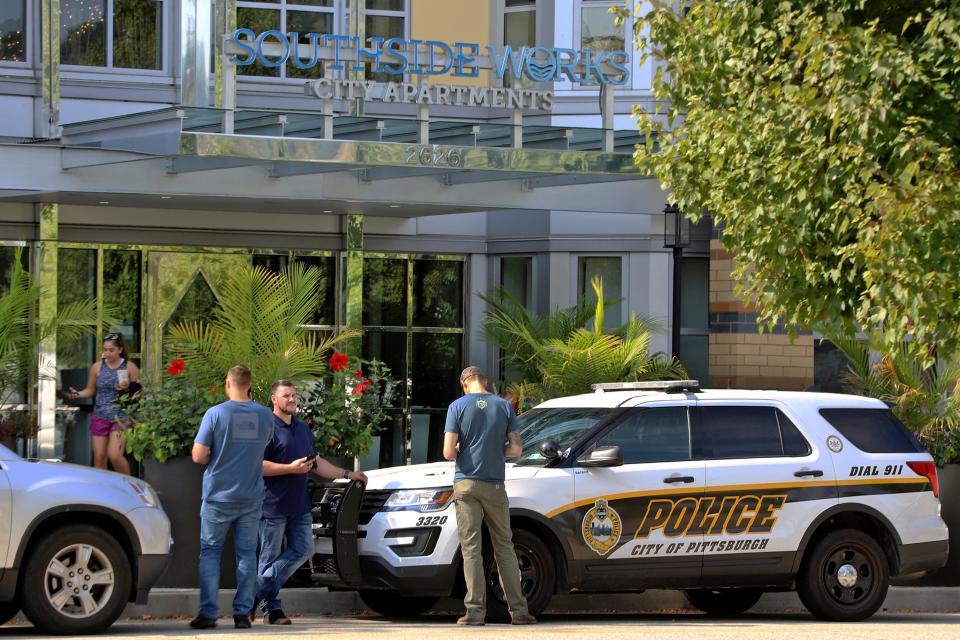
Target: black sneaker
pixel 201 622
pixel 241 621
pixel 277 616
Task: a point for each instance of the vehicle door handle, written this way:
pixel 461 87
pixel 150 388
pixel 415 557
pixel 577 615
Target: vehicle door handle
pixel 683 479
pixel 803 473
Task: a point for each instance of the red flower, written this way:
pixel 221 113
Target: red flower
pixel 358 373
pixel 360 388
pixel 176 366
pixel 339 361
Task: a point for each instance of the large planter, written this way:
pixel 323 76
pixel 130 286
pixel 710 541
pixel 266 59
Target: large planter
pixel 949 477
pixel 179 483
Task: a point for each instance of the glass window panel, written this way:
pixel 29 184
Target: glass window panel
pixel 121 291
pixel 324 312
pixel 608 268
pixel 694 293
pixel 437 293
pixel 383 27
pixel 7 256
pixel 313 3
pixel 516 276
pixel 271 262
pixel 83 32
pixel 390 347
pixel 598 31
pixel 651 435
pixel 137 34
pixel 437 361
pixel 259 20
pixel 76 275
pixel 73 362
pixel 197 303
pixel 741 432
pixel 304 22
pixel 695 356
pixel 384 292
pixel 13 30
pixel 519 30
pixel 385 5
pixel 873 430
pixel 829 367
pixel 794 444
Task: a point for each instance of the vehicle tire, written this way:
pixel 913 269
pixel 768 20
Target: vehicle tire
pixel 538 576
pixel 85 560
pixel 8 610
pixel 391 604
pixel 844 576
pixel 723 602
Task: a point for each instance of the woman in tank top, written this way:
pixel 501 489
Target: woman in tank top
pixel 107 379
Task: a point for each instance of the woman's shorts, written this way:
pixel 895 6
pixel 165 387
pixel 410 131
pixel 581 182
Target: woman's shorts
pixel 103 427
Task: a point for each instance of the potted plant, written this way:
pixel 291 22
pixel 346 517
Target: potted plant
pixel 927 401
pixel 346 408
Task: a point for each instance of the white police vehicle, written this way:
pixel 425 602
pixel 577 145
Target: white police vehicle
pixel 76 544
pixel 723 494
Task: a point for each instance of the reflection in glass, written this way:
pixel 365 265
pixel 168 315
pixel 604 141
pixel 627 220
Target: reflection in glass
pixel 259 20
pixel 695 293
pixel 563 426
pixel 436 364
pixel 83 32
pixel 384 292
pixel 137 34
pixel 324 313
pixel 390 348
pixel 609 270
pixel 121 293
pixel 385 5
pixel 383 27
pixel 76 275
pixel 519 30
pixel 304 22
pixel 13 30
pixel 437 293
pixel 7 255
pixel 196 304
pixel 598 31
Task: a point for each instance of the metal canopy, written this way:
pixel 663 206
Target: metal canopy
pixel 384 158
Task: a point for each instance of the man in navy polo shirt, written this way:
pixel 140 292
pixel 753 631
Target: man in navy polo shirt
pixel 288 458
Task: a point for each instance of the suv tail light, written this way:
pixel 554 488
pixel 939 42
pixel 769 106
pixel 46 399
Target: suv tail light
pixel 928 470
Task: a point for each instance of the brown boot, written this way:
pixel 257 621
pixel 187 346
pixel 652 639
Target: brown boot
pixel 468 620
pixel 524 618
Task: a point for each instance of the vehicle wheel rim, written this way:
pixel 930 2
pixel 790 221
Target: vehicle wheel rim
pixel 849 575
pixel 79 581
pixel 531 568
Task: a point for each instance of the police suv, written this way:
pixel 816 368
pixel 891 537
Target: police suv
pixel 723 494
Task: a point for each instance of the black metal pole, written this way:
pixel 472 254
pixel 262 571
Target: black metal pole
pixel 675 330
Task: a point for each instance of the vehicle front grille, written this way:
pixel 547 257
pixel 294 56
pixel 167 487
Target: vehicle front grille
pixel 373 502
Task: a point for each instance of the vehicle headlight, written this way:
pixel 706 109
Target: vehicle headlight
pixel 145 492
pixel 422 500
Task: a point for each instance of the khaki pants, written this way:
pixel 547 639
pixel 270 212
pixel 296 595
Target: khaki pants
pixel 476 503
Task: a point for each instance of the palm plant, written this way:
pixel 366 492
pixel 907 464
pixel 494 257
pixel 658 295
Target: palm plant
pixel 557 356
pixel 259 322
pixel 22 333
pixel 924 399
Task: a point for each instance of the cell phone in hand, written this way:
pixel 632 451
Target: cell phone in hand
pixel 312 464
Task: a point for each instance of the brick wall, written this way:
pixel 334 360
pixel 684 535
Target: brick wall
pixel 742 357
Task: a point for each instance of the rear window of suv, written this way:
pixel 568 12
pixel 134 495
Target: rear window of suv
pixel 873 430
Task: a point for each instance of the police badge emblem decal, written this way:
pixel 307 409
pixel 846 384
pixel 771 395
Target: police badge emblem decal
pixel 602 527
pixel 481 404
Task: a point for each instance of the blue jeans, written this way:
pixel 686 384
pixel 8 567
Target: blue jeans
pixel 216 520
pixel 275 567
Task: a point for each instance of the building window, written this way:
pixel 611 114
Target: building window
pixel 516 277
pixel 610 270
pixel 599 32
pixel 122 34
pixel 519 30
pixel 695 317
pixel 13 31
pixel 384 19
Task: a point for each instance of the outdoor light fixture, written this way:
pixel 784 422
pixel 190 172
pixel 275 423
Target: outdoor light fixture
pixel 676 236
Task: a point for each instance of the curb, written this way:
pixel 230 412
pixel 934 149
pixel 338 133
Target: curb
pixel 319 601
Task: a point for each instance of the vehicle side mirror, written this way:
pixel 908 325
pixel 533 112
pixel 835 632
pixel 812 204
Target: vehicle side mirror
pixel 549 449
pixel 602 457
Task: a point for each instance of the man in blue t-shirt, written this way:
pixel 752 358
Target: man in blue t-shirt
pixel 289 456
pixel 481 430
pixel 230 442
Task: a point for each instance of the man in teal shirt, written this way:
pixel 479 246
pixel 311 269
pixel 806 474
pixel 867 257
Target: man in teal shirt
pixel 481 430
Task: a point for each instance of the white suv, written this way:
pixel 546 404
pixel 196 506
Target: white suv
pixel 724 494
pixel 76 544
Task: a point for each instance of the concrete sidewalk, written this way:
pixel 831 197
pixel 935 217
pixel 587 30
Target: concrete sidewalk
pixel 183 602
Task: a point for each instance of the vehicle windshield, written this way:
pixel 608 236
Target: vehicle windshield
pixel 7 454
pixel 563 425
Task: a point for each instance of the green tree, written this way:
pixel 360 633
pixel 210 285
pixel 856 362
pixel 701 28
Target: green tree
pixel 822 136
pixel 555 355
pixel 258 321
pixel 925 399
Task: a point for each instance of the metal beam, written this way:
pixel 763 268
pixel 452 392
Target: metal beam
pixel 287 169
pixel 73 158
pixel 392 173
pixel 565 180
pixel 181 164
pixel 474 177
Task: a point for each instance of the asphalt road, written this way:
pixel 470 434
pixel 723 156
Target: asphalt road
pixel 784 626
